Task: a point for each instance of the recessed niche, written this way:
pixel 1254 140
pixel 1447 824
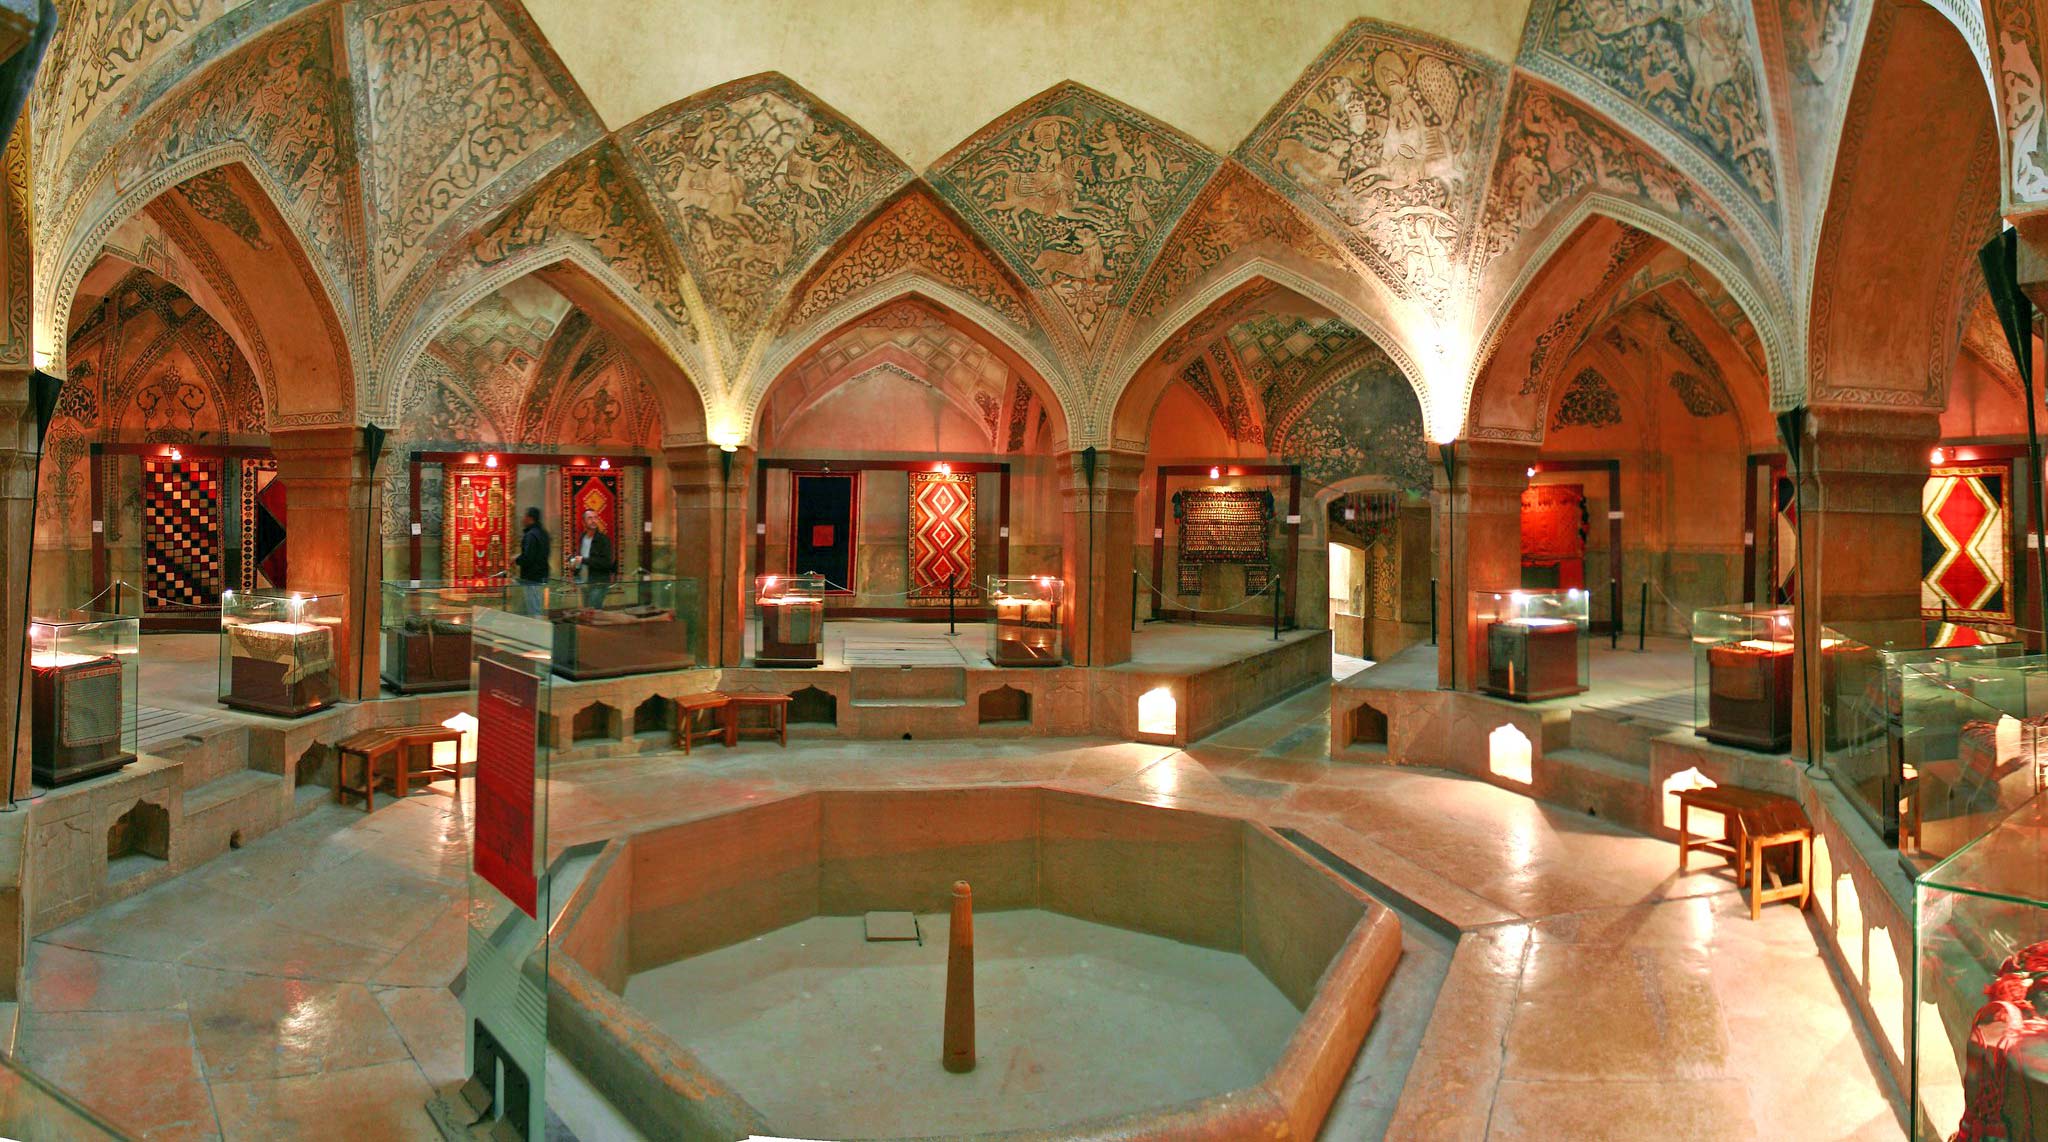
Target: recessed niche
pixel 1509 756
pixel 138 840
pixel 654 716
pixel 1158 713
pixel 1005 704
pixel 813 706
pixel 593 723
pixel 1368 725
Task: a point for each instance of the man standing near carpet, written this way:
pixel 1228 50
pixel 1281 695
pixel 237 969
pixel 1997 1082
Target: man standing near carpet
pixel 598 562
pixel 533 561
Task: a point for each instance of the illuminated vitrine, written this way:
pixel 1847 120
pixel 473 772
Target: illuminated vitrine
pixel 84 669
pixel 1024 622
pixel 277 651
pixel 792 609
pixel 1532 644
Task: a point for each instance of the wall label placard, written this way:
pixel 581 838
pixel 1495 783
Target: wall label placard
pixel 507 715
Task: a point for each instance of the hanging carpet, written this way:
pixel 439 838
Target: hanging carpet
pixel 263 526
pixel 941 537
pixel 589 489
pixel 181 533
pixel 1965 549
pixel 1223 526
pixel 1784 540
pixel 476 535
pixel 1554 534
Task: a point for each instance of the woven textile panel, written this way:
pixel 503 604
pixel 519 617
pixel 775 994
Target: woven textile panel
pixel 181 533
pixel 941 537
pixel 595 490
pixel 1784 541
pixel 263 525
pixel 1965 543
pixel 477 534
pixel 1223 527
pixel 89 703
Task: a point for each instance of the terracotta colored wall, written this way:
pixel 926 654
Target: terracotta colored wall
pixel 1165 871
pixel 599 932
pixel 714 882
pixel 902 850
pixel 1297 916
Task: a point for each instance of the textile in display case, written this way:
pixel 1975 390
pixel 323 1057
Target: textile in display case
pixel 83 673
pixel 792 620
pixel 277 652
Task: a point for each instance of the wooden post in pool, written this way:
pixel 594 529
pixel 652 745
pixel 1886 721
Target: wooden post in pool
pixel 959 1055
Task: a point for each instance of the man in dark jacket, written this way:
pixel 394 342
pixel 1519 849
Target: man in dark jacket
pixel 596 559
pixel 533 561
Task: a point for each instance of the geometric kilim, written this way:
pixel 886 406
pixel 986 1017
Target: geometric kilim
pixel 89 703
pixel 1965 549
pixel 476 528
pixel 1223 527
pixel 263 514
pixel 594 489
pixel 181 533
pixel 1784 540
pixel 941 537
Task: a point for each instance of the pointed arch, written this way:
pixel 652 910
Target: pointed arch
pixel 967 314
pixel 278 300
pixel 575 263
pixel 1140 383
pixel 1543 311
pixel 584 278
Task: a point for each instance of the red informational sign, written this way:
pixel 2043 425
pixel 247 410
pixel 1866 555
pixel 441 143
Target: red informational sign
pixel 507 718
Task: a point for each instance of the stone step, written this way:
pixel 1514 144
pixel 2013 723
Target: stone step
pixel 909 686
pixel 237 808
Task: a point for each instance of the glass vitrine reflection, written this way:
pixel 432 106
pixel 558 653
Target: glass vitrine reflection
pixel 792 609
pixel 1024 620
pixel 84 673
pixel 633 625
pixel 277 651
pixel 1531 644
pixel 1742 676
pixel 427 627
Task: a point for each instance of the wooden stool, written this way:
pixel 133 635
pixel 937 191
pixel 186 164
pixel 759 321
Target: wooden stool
pixel 690 705
pixel 1756 822
pixel 393 744
pixel 777 725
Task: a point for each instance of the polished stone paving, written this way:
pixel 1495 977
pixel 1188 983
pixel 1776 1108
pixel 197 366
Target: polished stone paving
pixel 298 988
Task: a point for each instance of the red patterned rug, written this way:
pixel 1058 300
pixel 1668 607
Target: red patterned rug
pixel 941 537
pixel 592 489
pixel 263 525
pixel 476 537
pixel 1965 551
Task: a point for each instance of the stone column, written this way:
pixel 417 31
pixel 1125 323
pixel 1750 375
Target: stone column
pixel 334 545
pixel 1859 548
pixel 711 491
pixel 17 541
pixel 1098 528
pixel 1477 536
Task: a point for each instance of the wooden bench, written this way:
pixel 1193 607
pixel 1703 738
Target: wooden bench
pixel 775 726
pixel 689 706
pixel 394 745
pixel 1756 823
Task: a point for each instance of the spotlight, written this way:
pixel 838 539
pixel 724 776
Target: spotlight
pixel 176 455
pixel 1531 473
pixel 604 465
pixel 491 461
pixel 1215 473
pixel 1938 456
pixel 943 468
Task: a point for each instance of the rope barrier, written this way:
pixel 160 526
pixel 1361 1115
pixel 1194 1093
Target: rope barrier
pixel 1261 593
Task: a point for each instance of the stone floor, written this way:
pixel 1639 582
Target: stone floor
pixel 297 988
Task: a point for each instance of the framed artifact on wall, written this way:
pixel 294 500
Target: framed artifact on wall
pixel 941 538
pixel 477 530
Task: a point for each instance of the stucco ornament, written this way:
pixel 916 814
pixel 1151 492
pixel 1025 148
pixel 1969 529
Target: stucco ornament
pixel 2020 84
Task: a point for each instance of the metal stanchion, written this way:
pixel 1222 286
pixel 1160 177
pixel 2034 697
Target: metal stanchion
pixel 1643 615
pixel 951 598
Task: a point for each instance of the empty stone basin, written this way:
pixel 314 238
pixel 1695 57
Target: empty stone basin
pixel 1141 971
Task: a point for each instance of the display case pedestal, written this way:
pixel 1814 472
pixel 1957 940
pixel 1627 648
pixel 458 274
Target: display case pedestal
pixel 76 712
pixel 1531 663
pixel 792 634
pixel 427 657
pixel 1749 697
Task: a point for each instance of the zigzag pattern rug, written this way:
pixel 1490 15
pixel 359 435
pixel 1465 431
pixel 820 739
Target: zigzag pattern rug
pixel 941 537
pixel 181 533
pixel 1965 549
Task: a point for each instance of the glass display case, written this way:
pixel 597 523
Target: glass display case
pixel 1895 697
pixel 1968 751
pixel 792 620
pixel 1742 676
pixel 426 623
pixel 84 674
pixel 634 625
pixel 1532 644
pixel 1979 1054
pixel 277 651
pixel 1024 629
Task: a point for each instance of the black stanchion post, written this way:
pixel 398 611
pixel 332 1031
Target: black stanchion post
pixel 1643 615
pixel 1277 592
pixel 1614 613
pixel 1134 600
pixel 951 614
pixel 1432 610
